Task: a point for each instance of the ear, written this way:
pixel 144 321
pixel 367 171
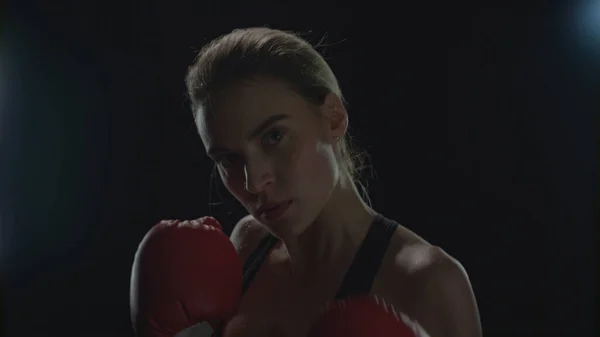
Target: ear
pixel 336 117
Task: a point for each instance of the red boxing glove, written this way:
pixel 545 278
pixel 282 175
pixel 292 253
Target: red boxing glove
pixel 361 317
pixel 184 273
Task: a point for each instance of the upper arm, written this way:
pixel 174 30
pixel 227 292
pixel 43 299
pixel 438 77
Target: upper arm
pixel 246 235
pixel 445 304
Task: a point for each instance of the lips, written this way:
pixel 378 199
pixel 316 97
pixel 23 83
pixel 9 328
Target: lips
pixel 273 211
pixel 268 207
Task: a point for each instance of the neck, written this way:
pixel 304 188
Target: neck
pixel 336 234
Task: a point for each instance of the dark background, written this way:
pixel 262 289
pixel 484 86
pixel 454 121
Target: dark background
pixel 479 122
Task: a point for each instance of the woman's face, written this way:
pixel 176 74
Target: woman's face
pixel 273 149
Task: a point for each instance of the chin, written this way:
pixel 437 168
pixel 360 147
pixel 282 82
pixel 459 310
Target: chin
pixel 289 227
pixel 301 225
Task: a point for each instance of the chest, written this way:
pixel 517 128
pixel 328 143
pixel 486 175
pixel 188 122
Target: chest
pixel 273 317
pixel 271 310
pixel 281 303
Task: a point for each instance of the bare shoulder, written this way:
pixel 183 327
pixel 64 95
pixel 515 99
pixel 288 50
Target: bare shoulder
pixel 411 253
pixel 431 285
pixel 246 235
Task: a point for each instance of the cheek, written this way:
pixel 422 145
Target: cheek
pixel 234 182
pixel 315 169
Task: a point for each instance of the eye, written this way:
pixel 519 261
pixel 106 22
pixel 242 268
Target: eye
pixel 272 137
pixel 226 161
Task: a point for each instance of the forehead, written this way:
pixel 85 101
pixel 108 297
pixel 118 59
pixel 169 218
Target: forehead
pixel 242 107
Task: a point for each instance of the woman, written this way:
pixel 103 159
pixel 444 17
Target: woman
pixel 271 116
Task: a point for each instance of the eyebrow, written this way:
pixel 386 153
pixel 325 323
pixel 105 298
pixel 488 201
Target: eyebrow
pixel 257 131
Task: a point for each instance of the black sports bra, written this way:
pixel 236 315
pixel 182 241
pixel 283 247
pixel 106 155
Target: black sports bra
pixel 362 271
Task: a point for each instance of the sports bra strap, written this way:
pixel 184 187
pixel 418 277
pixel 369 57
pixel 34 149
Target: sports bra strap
pixel 359 278
pixel 256 259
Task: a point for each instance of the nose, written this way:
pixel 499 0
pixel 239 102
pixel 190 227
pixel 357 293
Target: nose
pixel 259 175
